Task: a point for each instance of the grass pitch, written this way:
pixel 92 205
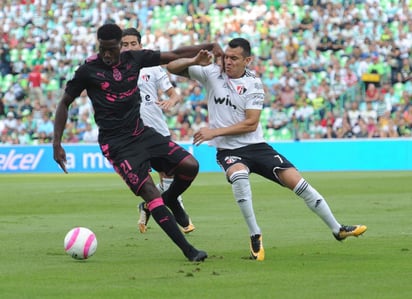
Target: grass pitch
pixel 303 260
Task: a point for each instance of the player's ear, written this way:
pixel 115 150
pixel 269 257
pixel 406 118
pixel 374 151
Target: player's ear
pixel 249 60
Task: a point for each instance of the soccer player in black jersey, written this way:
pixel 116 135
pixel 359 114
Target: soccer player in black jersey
pixel 110 81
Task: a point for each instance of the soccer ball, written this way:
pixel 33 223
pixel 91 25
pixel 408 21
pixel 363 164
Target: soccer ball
pixel 80 243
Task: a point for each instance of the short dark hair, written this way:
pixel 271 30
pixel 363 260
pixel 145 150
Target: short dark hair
pixel 109 32
pixel 243 43
pixel 133 32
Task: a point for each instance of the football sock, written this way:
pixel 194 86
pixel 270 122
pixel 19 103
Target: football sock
pixel 167 222
pixel 159 187
pixel 177 187
pixel 166 184
pixel 243 196
pixel 316 203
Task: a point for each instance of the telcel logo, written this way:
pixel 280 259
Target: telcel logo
pixel 16 161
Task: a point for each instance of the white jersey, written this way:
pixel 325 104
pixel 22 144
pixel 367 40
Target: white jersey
pixel 228 100
pixel 151 79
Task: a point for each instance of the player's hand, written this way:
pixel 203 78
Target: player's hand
pixel 59 156
pixel 204 58
pixel 166 105
pixel 204 134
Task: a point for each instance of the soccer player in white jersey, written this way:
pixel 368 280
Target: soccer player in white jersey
pixel 235 98
pixel 152 80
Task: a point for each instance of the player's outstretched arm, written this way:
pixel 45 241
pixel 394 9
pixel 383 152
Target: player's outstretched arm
pixel 190 51
pixel 60 120
pixel 180 66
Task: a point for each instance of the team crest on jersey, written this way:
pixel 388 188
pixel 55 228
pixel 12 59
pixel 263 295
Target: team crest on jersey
pixel 105 85
pixel 241 89
pixel 232 159
pixel 145 77
pixel 133 178
pixel 117 75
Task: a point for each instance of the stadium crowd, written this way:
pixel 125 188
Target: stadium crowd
pixel 331 69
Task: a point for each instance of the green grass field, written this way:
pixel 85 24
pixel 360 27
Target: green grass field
pixel 303 260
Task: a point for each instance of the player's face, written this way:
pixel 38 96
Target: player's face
pixel 235 62
pixel 109 51
pixel 130 42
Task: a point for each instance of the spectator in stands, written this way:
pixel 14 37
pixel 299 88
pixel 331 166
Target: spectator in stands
pixel 36 84
pixel 292 48
pixel 350 78
pixel 304 111
pixel 307 22
pixel 339 43
pixel 26 107
pixel 45 127
pixel 279 55
pixel 278 118
pixel 5 63
pixel 405 72
pixel 382 106
pixel 354 113
pixel 10 123
pixel 325 42
pixel 90 134
pixel 197 97
pixel 391 97
pixel 386 126
pixel 362 131
pixel 372 93
pixel 316 130
pixel 369 112
pixel 287 96
pixel 407 115
pixel 345 131
pixel 198 122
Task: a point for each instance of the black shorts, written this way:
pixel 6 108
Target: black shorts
pixel 260 158
pixel 133 156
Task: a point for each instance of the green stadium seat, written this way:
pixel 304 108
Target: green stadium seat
pixel 285 134
pixel 7 81
pixel 14 55
pixel 53 85
pixel 178 10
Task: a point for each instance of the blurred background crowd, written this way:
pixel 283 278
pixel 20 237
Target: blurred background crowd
pixel 331 69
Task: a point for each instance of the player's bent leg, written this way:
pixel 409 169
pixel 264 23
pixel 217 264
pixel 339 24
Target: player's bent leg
pixel 166 181
pixel 167 222
pixel 239 178
pixel 184 175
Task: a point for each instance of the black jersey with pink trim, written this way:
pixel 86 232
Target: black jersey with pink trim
pixel 112 89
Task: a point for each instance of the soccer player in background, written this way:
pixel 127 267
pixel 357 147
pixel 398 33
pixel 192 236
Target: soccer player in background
pixel 150 81
pixel 235 99
pixel 133 149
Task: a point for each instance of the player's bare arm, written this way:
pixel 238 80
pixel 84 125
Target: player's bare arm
pixel 174 98
pixel 180 66
pixel 248 125
pixel 59 153
pixel 190 51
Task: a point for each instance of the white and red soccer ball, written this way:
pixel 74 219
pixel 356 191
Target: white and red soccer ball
pixel 80 243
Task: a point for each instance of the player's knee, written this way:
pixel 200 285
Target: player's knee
pixel 189 168
pixel 147 191
pixel 238 175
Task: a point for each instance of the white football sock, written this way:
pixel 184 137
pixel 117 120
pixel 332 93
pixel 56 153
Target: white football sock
pixel 316 203
pixel 243 195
